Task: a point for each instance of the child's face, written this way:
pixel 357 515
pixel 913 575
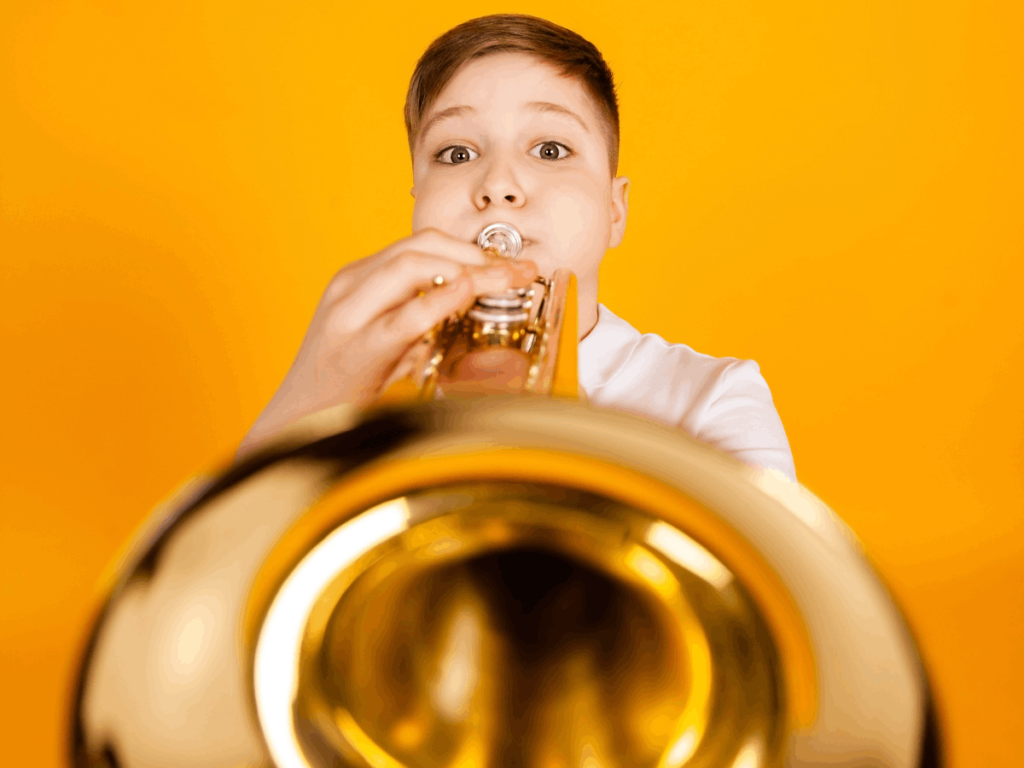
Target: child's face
pixel 500 144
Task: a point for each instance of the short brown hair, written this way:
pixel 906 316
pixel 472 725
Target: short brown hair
pixel 571 54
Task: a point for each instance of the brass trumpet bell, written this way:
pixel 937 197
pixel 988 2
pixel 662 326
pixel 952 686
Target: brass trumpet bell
pixel 520 582
pixel 502 582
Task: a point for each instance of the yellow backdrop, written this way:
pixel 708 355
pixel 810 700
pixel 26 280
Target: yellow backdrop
pixel 833 189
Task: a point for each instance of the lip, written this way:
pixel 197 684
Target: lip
pixel 527 241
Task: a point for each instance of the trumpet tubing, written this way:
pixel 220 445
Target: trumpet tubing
pixel 518 342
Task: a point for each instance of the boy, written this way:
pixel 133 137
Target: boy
pixel 512 118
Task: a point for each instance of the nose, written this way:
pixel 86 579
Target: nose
pixel 499 187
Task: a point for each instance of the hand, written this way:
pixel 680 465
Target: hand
pixel 372 311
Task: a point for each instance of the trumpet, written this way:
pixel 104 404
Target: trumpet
pixel 520 342
pixel 477 582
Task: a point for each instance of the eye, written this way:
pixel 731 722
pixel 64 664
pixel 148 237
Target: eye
pixel 551 150
pixel 455 155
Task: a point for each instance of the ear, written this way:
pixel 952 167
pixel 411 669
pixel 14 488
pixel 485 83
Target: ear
pixel 619 210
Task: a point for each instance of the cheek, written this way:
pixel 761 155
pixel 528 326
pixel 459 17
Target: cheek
pixel 581 221
pixel 434 205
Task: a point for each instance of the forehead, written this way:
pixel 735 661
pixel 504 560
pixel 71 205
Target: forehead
pixel 512 79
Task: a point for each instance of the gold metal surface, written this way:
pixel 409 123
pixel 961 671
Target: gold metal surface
pixel 497 581
pixel 520 342
pixel 525 624
pixel 504 581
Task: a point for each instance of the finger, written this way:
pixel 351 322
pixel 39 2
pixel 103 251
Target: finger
pixel 524 273
pixel 442 244
pixel 413 359
pixel 439 243
pixel 371 355
pixel 429 241
pixel 398 281
pixel 393 331
pixel 502 275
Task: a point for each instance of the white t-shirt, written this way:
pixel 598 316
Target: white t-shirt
pixel 718 400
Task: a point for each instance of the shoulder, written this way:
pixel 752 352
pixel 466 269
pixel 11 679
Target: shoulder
pixel 724 401
pixel 617 360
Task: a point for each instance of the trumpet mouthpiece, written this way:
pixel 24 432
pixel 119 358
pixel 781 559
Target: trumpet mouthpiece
pixel 503 239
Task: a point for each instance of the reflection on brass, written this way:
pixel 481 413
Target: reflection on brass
pixel 527 625
pixel 498 581
pixel 521 341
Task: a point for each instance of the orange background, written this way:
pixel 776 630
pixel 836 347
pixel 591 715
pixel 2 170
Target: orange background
pixel 833 189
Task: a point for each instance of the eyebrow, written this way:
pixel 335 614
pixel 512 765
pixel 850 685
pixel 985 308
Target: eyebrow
pixel 535 106
pixel 444 114
pixel 558 109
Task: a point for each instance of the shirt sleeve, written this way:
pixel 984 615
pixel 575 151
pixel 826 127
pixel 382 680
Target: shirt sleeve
pixel 739 418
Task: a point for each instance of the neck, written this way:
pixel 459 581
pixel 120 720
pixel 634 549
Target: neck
pixel 586 298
